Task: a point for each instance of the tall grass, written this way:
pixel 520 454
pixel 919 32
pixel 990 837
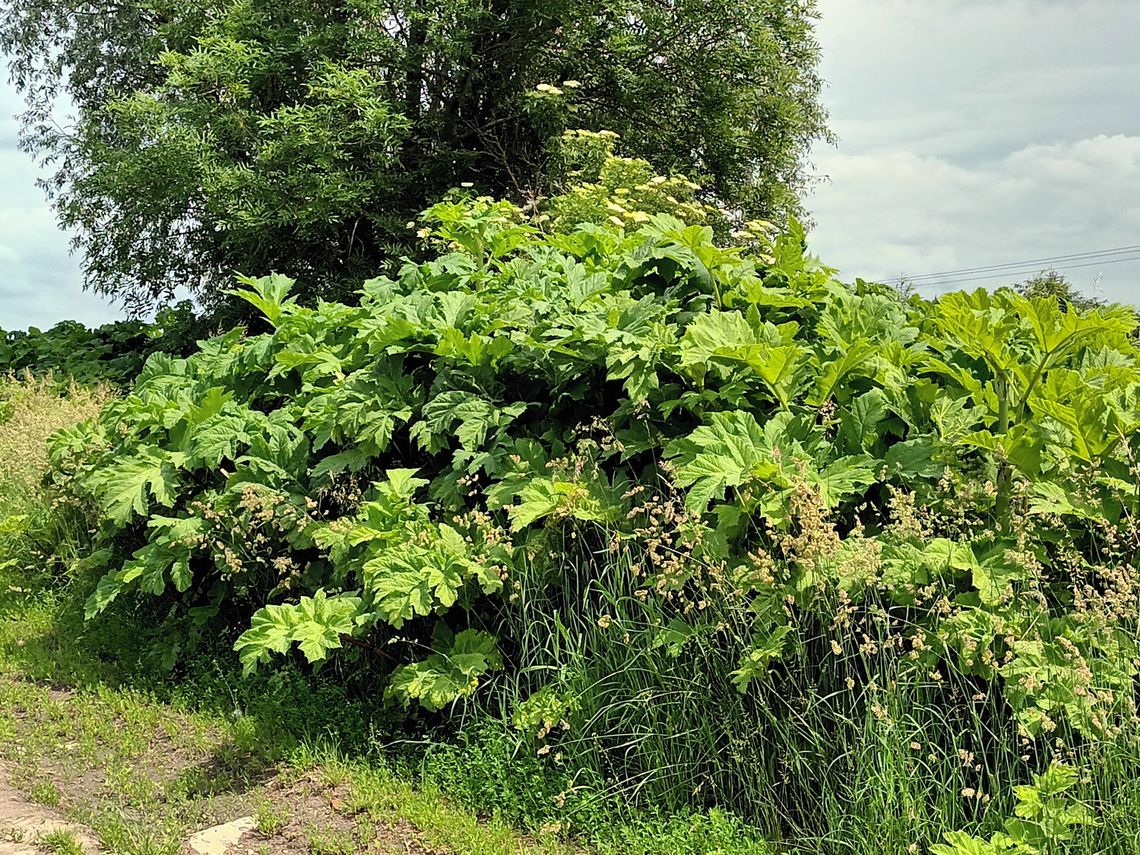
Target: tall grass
pixel 39 527
pixel 847 747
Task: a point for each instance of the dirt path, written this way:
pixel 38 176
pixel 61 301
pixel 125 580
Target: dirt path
pixel 23 824
pixel 142 777
pixel 27 828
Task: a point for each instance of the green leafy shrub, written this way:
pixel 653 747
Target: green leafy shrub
pixel 571 453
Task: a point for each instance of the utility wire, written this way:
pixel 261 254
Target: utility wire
pixel 1079 256
pixel 1018 264
pixel 1026 272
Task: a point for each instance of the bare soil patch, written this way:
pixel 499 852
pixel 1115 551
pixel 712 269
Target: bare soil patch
pixel 317 819
pixel 23 823
pixel 202 779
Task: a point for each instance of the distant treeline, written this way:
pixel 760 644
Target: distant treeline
pixel 112 353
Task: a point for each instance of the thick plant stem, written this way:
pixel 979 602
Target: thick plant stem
pixel 1004 474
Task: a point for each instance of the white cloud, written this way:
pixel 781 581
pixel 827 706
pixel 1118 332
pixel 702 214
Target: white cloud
pixel 977 133
pixel 894 213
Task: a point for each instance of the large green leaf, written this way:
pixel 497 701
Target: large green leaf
pixel 833 371
pixel 268 294
pixel 722 454
pixel 409 580
pixel 476 416
pixel 446 675
pixel 315 624
pixel 127 487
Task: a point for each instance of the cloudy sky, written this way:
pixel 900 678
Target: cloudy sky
pixel 981 132
pixel 40 282
pixel 972 133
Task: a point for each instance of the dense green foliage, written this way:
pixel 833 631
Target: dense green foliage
pixel 66 683
pixel 112 353
pixel 608 510
pixel 301 136
pixel 1045 820
pixel 706 523
pixel 1050 283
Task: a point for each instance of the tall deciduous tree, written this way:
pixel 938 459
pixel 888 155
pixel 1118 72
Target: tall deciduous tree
pixel 301 135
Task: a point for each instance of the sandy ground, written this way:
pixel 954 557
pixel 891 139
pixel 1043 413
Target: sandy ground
pixel 22 823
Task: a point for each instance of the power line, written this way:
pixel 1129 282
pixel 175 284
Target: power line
pixel 997 268
pixel 1018 264
pixel 1026 272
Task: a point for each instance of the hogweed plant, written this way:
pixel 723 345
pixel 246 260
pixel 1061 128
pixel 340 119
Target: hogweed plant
pixel 580 454
pixel 1044 821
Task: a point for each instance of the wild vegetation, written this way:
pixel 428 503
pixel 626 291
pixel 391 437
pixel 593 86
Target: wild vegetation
pixel 144 762
pixel 577 508
pixel 629 520
pixel 113 353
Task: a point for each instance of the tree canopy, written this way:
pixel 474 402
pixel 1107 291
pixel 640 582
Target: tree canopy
pixel 1050 283
pixel 301 136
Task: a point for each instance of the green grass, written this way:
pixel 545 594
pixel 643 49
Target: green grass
pixel 123 739
pixel 854 751
pixel 270 818
pixel 61 843
pixel 119 723
pixel 45 793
